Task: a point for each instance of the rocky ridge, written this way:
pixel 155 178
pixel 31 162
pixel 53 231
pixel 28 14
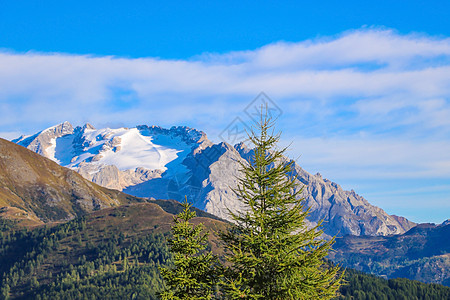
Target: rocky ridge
pixel 182 161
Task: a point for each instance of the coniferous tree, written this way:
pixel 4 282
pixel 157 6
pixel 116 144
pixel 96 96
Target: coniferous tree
pixel 5 292
pixel 196 271
pixel 273 254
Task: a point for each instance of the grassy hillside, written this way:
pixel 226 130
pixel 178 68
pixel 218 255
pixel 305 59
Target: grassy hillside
pixel 43 191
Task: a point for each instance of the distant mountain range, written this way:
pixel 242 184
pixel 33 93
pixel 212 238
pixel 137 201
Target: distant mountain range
pixel 422 253
pixel 153 162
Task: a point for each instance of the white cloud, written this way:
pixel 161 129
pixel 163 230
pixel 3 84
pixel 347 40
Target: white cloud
pixel 326 68
pixel 374 157
pixel 370 103
pixel 382 78
pixel 350 48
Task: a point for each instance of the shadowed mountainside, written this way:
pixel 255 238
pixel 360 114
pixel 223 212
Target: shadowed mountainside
pixel 422 253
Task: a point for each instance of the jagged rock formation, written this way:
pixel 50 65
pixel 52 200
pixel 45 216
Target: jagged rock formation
pixel 91 152
pixel 43 142
pixel 344 212
pixel 446 222
pixel 153 162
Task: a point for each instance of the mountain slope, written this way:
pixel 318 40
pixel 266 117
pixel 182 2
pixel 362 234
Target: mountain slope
pixel 114 253
pixel 153 162
pixel 422 253
pixel 44 191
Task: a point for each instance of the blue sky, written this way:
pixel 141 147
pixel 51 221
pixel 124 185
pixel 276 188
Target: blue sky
pixel 178 29
pixel 364 89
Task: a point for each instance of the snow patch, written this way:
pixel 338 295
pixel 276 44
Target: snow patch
pixel 139 151
pixel 131 149
pixel 51 150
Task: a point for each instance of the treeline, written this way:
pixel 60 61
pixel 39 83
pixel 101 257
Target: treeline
pixel 363 286
pixel 64 262
pixel 76 260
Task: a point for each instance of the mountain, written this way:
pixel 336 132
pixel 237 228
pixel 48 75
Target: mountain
pixel 117 158
pixel 35 189
pixel 422 253
pixel 153 162
pixel 114 253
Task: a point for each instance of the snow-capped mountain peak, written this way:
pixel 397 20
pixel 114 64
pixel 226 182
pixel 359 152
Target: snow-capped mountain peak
pixel 151 161
pixel 118 152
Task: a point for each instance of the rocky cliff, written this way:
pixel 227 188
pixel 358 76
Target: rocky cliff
pixel 153 162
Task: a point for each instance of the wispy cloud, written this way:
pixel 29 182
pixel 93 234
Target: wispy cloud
pixel 368 80
pixel 381 48
pixel 368 99
pixel 374 157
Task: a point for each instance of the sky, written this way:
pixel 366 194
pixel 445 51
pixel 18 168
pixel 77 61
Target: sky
pixel 361 90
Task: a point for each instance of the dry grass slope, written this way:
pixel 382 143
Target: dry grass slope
pixel 47 191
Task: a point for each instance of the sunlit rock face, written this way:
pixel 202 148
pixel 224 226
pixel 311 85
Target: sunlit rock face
pixel 154 162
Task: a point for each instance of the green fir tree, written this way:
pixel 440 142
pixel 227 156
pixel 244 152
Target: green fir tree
pixel 196 271
pixel 273 255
